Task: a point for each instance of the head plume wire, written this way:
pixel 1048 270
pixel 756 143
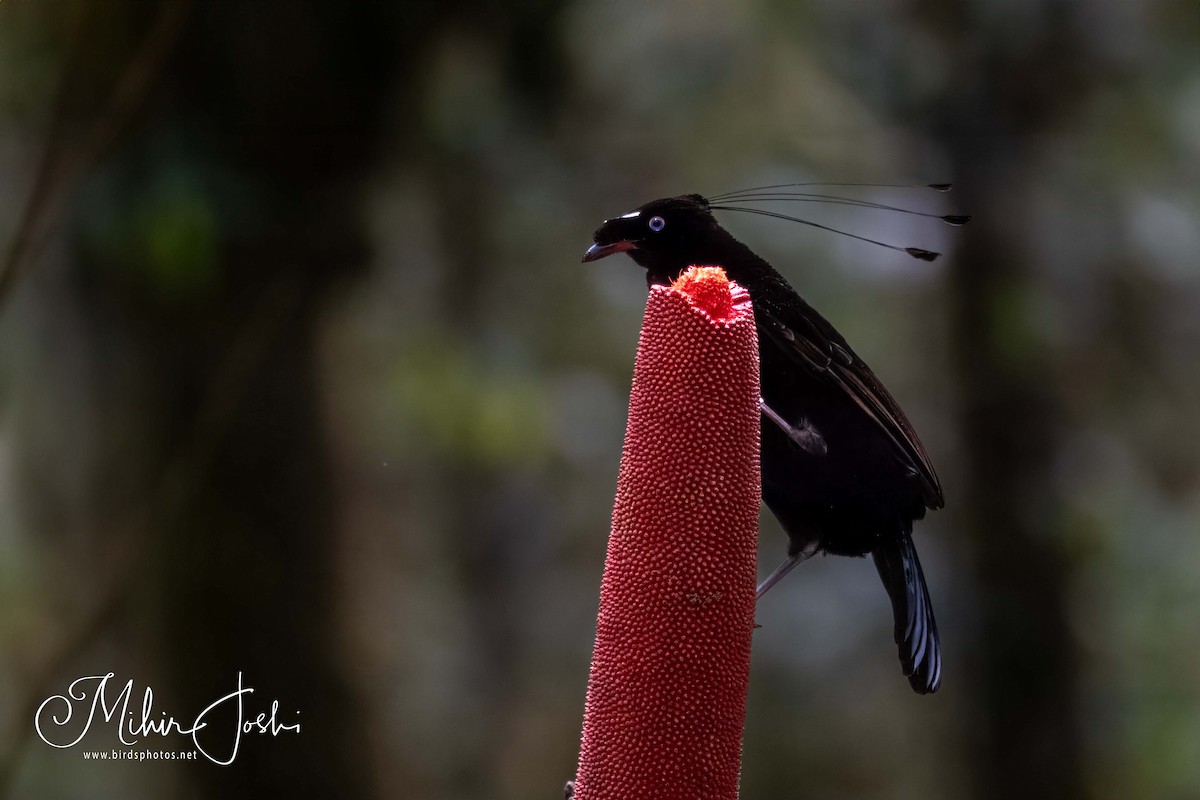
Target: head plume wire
pixel 937 187
pixel 834 200
pixel 915 252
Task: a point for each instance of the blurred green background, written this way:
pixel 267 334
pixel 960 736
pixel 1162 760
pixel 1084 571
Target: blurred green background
pixel 300 376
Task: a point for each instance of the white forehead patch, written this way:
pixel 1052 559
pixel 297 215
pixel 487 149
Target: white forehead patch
pixel 630 215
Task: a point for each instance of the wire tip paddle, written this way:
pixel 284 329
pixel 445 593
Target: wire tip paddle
pixel 924 255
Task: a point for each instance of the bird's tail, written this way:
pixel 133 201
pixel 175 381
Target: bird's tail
pixel 916 631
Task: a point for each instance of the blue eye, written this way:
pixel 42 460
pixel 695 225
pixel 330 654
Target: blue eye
pixel 657 223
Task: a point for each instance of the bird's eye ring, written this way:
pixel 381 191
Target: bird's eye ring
pixel 657 223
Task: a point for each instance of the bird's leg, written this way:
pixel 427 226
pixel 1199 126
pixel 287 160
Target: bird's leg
pixel 805 434
pixel 787 566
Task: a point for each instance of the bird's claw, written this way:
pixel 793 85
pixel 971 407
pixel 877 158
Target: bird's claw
pixel 804 434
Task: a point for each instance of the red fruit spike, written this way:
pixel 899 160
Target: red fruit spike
pixel 666 701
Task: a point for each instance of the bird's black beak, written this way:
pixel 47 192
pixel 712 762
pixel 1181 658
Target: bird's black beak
pixel 599 251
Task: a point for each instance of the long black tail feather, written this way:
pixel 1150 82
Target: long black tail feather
pixel 916 630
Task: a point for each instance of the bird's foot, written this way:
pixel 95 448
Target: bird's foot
pixel 787 566
pixel 804 433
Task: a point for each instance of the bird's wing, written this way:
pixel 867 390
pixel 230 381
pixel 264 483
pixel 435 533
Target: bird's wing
pixel 800 331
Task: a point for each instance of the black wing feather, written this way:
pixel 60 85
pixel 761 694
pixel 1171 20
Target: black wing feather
pixel 813 342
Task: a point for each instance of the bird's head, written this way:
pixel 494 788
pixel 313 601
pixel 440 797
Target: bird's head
pixel 663 236
pixel 666 236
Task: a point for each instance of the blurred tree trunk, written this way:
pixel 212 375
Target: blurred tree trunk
pixel 1026 735
pixel 205 251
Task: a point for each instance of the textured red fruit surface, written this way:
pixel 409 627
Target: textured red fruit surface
pixel 708 288
pixel 666 700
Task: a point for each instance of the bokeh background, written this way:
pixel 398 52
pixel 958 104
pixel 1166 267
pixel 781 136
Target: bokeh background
pixel 300 376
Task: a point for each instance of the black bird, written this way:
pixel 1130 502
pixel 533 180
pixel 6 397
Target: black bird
pixel 842 468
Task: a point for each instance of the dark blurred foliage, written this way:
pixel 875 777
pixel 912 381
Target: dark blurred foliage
pixel 300 376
